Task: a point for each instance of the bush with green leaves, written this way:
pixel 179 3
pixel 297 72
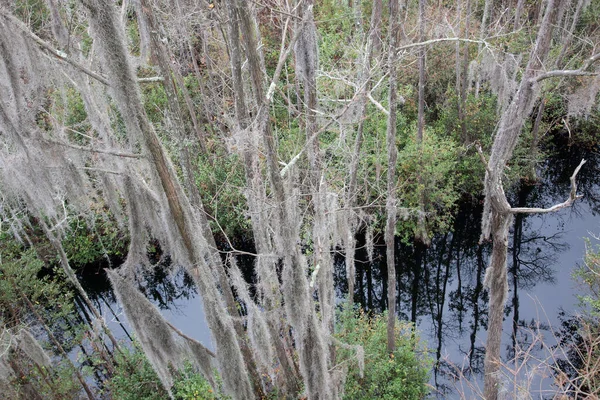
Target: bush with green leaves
pixel 401 375
pixel 134 378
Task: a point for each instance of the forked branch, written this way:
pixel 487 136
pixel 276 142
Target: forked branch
pixel 572 197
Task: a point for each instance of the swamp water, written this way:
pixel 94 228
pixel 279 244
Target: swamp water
pixel 441 286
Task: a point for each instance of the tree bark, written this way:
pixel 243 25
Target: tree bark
pixel 391 206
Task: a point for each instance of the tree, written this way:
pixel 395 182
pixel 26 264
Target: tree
pixel 498 214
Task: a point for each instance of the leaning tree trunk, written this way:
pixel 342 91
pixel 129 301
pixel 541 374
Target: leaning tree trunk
pixel 191 233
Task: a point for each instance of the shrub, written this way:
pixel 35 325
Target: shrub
pixel 134 378
pixel 401 375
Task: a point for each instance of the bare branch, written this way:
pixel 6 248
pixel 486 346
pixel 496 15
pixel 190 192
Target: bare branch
pixel 183 335
pixel 432 41
pixel 482 157
pixel 378 104
pixel 110 152
pixel 570 72
pixel 105 171
pixel 151 79
pixel 572 197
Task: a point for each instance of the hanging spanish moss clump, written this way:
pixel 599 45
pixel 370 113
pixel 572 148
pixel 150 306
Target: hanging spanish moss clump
pixel 163 349
pixel 257 327
pixel 6 371
pixel 151 329
pixel 202 359
pixel 583 98
pixel 306 48
pixel 30 346
pixel 500 71
pixel 31 167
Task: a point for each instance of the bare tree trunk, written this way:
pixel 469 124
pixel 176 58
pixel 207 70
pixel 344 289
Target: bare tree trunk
pixel 518 11
pixel 352 194
pixel 482 31
pixel 391 178
pixel 421 233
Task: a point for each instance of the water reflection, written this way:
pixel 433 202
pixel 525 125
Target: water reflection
pixel 440 288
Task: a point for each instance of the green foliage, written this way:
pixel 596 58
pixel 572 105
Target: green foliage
pixel 221 186
pixel 34 13
pixel 134 378
pixel 20 271
pixel 401 375
pixel 133 34
pixel 87 243
pixel 589 277
pixel 426 171
pixel 68 108
pixel 155 101
pixel 335 27
pixel 192 386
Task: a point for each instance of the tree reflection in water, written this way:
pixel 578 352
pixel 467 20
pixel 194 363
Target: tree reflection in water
pixel 441 286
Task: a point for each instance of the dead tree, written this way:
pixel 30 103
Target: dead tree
pixel 192 246
pixel 498 213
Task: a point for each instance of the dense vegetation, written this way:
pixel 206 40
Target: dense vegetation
pixel 184 135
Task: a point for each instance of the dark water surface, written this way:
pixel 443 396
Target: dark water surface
pixel 441 286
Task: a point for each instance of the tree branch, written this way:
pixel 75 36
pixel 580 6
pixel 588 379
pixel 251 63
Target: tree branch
pixel 482 157
pixel 377 104
pixel 191 339
pixel 439 40
pixel 61 55
pixel 110 152
pixel 572 197
pixel 570 72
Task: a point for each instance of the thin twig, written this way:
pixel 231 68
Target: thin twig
pixel 110 152
pixel 183 335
